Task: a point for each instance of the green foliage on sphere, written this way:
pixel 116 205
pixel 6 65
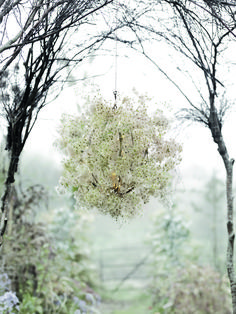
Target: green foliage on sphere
pixel 116 157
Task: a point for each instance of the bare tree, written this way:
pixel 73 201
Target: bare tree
pixel 38 20
pixel 203 42
pixel 200 31
pixel 222 11
pixel 34 54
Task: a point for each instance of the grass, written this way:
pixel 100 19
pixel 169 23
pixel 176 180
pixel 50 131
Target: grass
pixel 127 300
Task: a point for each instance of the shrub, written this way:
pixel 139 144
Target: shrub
pixel 50 271
pixel 194 289
pixel 179 287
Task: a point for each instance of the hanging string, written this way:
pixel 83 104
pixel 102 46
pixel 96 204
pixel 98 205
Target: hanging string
pixel 115 92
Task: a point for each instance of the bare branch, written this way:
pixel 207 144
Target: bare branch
pixel 42 43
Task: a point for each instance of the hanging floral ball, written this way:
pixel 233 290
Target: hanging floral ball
pixel 116 158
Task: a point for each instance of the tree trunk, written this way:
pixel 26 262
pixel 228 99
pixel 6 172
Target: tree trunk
pixel 12 168
pixel 231 235
pixel 215 127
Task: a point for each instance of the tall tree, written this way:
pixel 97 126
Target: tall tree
pixel 200 31
pixel 39 40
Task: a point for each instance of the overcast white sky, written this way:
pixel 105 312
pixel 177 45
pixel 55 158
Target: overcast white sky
pixel 135 72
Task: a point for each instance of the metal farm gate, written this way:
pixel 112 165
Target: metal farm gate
pixel 124 264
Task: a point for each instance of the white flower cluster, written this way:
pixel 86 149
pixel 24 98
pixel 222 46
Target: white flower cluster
pixel 116 158
pixel 9 302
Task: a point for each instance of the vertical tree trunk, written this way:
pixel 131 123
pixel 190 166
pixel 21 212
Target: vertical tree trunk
pixel 215 128
pixel 231 235
pixel 5 199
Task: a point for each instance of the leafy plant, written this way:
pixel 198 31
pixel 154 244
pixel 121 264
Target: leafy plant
pixel 116 157
pixel 179 286
pixel 196 289
pixel 46 276
pixel 31 304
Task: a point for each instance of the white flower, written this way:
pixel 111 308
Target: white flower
pixel 117 158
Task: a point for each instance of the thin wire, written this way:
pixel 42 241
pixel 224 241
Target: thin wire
pixel 116 57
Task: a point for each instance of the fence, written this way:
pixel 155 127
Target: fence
pixel 123 264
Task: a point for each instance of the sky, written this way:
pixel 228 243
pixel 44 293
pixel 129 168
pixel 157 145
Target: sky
pixel 134 71
pixel 200 157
